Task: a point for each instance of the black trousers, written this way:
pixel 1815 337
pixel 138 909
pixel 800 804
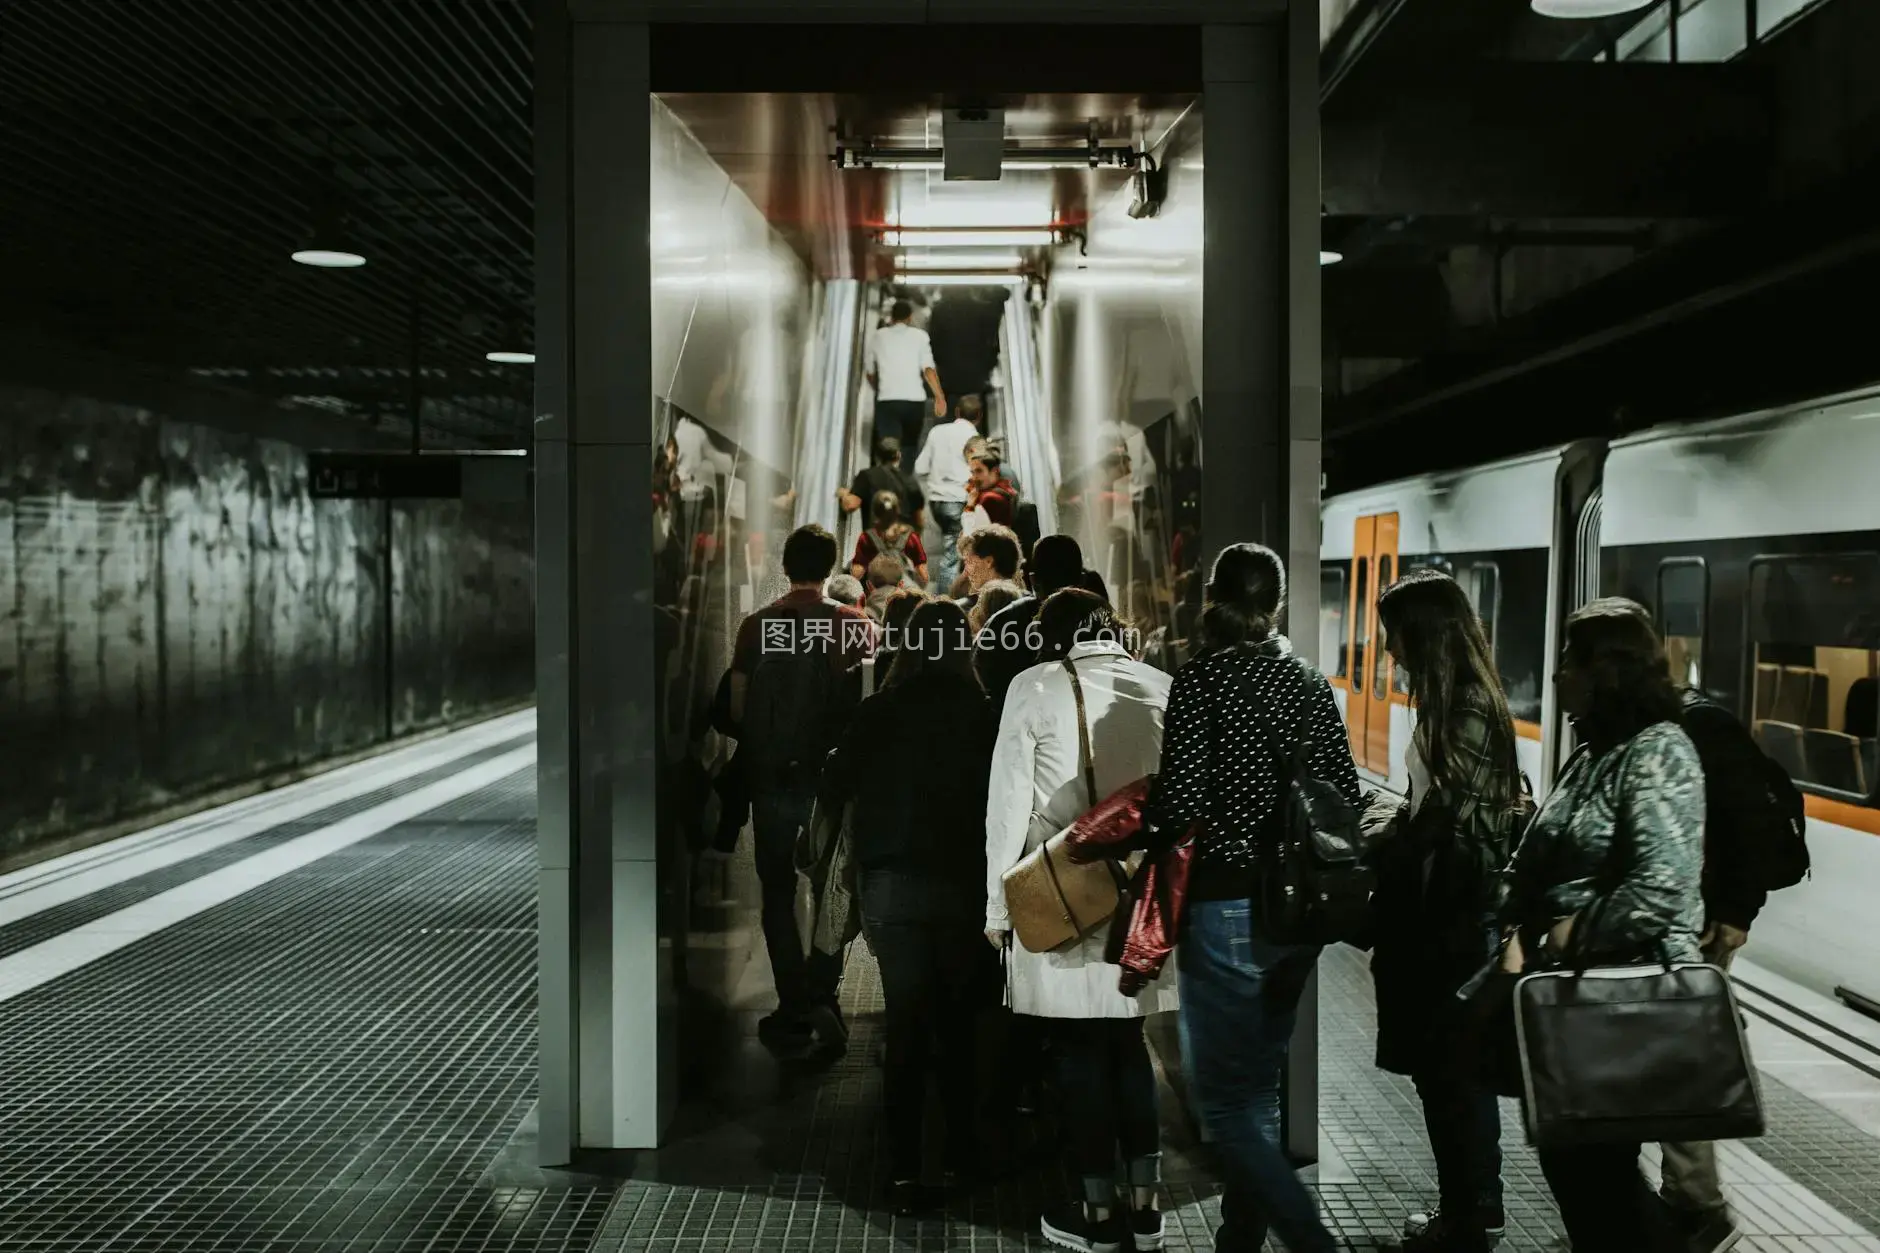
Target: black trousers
pixel 903 419
pixel 1464 1125
pixel 932 980
pixel 803 982
pixel 1603 1200
pixel 1106 1094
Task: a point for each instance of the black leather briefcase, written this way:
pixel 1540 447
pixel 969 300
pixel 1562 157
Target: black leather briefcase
pixel 1628 1054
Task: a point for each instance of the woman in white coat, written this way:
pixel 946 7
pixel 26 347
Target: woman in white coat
pixel 1095 1032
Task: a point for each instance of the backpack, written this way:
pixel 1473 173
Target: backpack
pixel 898 552
pixel 1314 885
pixel 1774 838
pixel 795 704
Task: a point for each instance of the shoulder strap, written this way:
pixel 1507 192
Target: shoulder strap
pixel 1083 735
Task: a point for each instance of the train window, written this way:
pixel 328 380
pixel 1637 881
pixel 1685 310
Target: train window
pixel 1360 623
pixel 1332 599
pixel 1814 623
pixel 1380 656
pixel 1683 599
pixel 1482 581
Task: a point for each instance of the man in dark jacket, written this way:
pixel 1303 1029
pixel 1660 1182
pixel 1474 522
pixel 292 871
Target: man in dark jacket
pixel 1737 811
pixel 1008 643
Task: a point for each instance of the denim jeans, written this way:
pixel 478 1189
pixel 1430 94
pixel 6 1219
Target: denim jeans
pixel 1240 996
pixel 946 516
pixel 802 982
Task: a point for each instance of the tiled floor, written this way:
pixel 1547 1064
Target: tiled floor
pixel 341 1055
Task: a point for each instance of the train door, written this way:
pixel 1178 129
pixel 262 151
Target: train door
pixel 1367 711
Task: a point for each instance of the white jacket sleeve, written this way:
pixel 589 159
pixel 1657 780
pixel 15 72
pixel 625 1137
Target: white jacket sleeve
pixel 1008 803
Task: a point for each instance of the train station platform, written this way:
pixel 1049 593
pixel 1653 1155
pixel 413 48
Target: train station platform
pixel 307 1020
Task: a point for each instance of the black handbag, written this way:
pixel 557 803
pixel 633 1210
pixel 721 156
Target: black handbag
pixel 1645 1051
pixel 1626 1054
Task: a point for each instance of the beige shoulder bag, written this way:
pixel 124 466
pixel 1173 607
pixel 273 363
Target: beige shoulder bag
pixel 1052 900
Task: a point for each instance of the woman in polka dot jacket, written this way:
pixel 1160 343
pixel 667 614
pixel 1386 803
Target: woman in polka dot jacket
pixel 1238 991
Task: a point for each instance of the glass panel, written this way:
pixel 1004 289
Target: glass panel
pixel 1332 597
pixel 1650 40
pixel 1772 13
pixel 1815 622
pixel 1713 30
pixel 1380 664
pixel 1683 588
pixel 1484 588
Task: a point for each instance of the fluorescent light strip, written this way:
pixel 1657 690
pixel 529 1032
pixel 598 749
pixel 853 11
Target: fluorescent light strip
pixel 968 237
pixel 329 259
pixel 959 278
pixel 996 261
pixel 510 358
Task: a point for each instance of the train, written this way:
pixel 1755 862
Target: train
pixel 1755 542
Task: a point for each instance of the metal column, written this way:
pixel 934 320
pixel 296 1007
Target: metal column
pixel 607 1017
pixel 1260 352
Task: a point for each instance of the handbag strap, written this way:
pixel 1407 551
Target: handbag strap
pixel 1083 738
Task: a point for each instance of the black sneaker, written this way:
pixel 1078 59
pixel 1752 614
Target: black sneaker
pixel 908 1197
pixel 787 1038
pixel 1492 1218
pixel 1709 1233
pixel 1145 1229
pixel 832 1032
pixel 1069 1227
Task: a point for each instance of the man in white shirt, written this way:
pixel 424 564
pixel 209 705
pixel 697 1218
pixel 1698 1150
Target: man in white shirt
pixel 944 474
pixel 901 369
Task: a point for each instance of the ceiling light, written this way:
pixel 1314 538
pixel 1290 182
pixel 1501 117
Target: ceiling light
pixel 968 237
pixel 329 258
pixel 1587 8
pixel 1328 257
pixel 510 358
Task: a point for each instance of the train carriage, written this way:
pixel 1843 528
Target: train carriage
pixel 1755 541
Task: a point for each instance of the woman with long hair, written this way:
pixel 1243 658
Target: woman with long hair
pixel 1085 686
pixel 921 869
pixel 1610 871
pixel 1233 708
pixel 1435 899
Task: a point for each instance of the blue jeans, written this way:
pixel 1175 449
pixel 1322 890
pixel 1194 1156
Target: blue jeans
pixel 1239 997
pixel 946 516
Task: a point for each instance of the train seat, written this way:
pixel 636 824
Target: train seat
pixel 1783 741
pixel 1802 697
pixel 1768 679
pixel 1834 761
pixel 1860 714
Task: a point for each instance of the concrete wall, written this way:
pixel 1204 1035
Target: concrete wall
pixel 177 617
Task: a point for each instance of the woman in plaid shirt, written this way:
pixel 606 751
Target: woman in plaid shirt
pixel 1435 900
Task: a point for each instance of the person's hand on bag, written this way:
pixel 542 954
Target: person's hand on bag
pixel 1720 939
pixel 998 939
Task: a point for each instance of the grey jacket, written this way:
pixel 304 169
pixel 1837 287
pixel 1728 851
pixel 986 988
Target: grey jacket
pixel 1647 793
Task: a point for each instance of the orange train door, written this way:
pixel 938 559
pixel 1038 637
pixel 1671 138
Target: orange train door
pixel 1367 711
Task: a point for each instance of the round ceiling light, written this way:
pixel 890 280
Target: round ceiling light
pixel 329 259
pixel 1328 257
pixel 510 358
pixel 1571 9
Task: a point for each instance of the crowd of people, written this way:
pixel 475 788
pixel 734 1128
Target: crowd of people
pixel 1029 698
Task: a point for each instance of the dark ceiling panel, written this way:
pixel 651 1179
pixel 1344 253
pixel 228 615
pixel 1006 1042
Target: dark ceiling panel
pixel 166 156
